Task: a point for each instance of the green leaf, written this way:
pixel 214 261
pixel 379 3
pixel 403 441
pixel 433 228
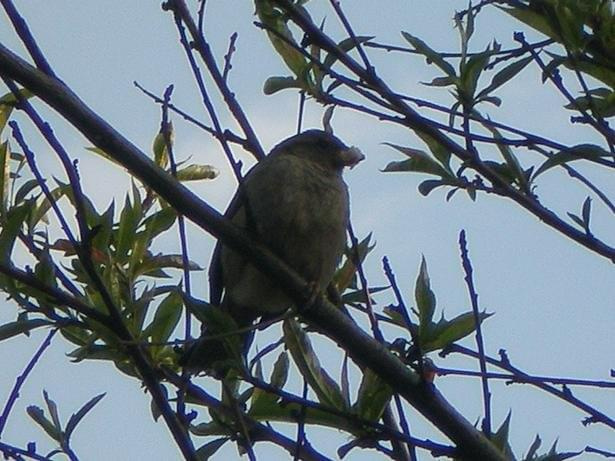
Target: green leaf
pixel 600 103
pixel 24 190
pixel 576 219
pixel 10 229
pixel 274 84
pixel 166 318
pixel 504 75
pixel 446 332
pixel 286 47
pixel 471 71
pixel 500 438
pixel 7 104
pixel 38 415
pixel 5 177
pixel 373 396
pixel 419 161
pixel 425 300
pixel 159 148
pixel 8 330
pixel 207 450
pixel 441 81
pixel 41 209
pixel 130 217
pixel 279 375
pixel 345 46
pixel 430 55
pixel 159 222
pixel 429 185
pixel 585 213
pixel 589 152
pixel 53 411
pixel 305 358
pixel 438 150
pixel 531 453
pixel 531 18
pixel 152 265
pixel 514 167
pixel 84 410
pixel 197 173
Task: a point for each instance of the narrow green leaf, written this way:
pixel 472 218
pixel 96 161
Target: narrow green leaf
pixel 279 375
pixel 5 177
pixel 24 190
pixel 207 450
pixel 41 210
pixel 446 332
pixel 345 46
pixel 425 300
pixel 197 173
pixel 576 219
pixel 441 81
pixel 471 72
pixel 531 18
pixel 274 20
pixel 7 104
pixel 532 452
pixel 373 396
pixel 586 212
pixel 429 185
pixel 306 360
pixel 84 410
pixel 514 167
pixel 159 148
pixel 53 411
pixel 38 415
pixel 419 161
pixel 274 84
pixel 504 75
pixel 166 318
pixel 430 55
pixel 8 330
pixel 129 222
pixel 501 436
pixel 10 229
pixel 589 152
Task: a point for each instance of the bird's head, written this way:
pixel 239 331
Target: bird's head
pixel 322 148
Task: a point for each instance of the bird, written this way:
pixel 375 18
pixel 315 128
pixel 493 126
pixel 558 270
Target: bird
pixel 296 203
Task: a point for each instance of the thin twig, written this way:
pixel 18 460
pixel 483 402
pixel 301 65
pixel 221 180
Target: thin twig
pixel 21 379
pixel 235 165
pixel 414 121
pixel 522 377
pixel 257 430
pixel 467 267
pixel 23 31
pixel 179 7
pixel 165 129
pixel 528 379
pixel 342 17
pixel 556 79
pixel 59 296
pixel 301 423
pixel 229 56
pixel 227 135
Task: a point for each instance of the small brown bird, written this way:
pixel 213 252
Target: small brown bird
pixel 295 202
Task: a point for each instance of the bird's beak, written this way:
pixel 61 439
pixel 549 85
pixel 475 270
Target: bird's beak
pixel 351 156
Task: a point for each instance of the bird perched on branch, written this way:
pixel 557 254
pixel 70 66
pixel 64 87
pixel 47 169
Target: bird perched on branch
pixel 294 202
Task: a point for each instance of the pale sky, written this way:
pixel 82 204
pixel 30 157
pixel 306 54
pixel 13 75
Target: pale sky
pixel 552 299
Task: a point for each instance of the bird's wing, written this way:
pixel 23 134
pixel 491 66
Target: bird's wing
pixel 239 212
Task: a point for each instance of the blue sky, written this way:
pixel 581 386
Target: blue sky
pixel 553 300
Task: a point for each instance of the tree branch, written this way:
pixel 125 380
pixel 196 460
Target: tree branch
pixel 364 349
